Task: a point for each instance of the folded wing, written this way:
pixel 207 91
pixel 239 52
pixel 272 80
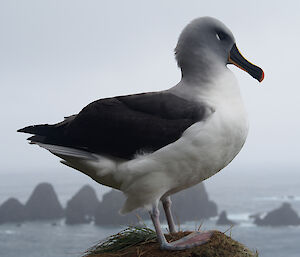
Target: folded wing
pixel 123 126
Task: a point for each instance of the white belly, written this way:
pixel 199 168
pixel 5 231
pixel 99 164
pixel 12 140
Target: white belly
pixel 207 148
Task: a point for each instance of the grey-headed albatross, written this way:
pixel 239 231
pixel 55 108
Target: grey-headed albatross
pixel 152 145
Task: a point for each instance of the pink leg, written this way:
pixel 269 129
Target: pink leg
pixel 167 207
pixel 155 219
pixel 190 241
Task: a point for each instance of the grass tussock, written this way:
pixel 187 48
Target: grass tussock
pixel 141 242
pixel 128 237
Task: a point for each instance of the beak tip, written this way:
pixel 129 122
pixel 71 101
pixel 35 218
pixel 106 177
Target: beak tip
pixel 262 76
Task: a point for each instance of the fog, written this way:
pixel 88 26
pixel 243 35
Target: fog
pixel 57 56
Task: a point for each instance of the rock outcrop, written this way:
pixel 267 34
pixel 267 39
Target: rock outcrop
pixel 84 207
pixel 81 208
pixel 12 211
pixel 283 216
pixel 193 204
pixel 107 212
pixel 188 205
pixel 223 220
pixel 43 204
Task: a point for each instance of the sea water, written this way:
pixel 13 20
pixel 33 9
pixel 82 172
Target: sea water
pixel 240 193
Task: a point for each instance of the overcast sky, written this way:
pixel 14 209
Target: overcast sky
pixel 57 56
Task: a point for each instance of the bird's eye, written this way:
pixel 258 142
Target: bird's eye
pixel 221 36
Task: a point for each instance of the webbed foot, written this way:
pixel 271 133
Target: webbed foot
pixel 192 240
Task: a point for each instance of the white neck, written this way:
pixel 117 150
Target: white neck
pixel 222 87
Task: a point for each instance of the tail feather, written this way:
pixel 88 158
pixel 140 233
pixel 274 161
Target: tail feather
pixel 41 130
pixel 63 151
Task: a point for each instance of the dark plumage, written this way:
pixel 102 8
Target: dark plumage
pixel 123 126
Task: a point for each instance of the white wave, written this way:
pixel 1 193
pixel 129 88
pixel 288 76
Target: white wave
pixel 290 198
pixel 247 224
pixel 239 217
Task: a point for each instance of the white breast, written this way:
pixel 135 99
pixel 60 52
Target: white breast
pixel 212 144
pixel 203 150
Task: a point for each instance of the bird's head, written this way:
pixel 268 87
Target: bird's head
pixel 207 42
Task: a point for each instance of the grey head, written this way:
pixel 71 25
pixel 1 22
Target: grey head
pixel 205 45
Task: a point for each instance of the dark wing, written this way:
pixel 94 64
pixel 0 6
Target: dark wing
pixel 123 126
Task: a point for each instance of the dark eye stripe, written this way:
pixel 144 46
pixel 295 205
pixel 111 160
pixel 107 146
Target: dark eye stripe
pixel 222 35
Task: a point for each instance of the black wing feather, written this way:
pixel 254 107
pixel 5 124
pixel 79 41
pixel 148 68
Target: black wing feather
pixel 123 126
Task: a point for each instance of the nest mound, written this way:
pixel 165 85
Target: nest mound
pixel 141 242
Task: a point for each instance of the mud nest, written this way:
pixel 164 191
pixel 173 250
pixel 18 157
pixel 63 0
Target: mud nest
pixel 141 242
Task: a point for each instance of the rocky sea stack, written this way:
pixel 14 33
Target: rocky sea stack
pixel 84 207
pixel 223 220
pixel 81 208
pixel 282 216
pixel 12 211
pixel 43 204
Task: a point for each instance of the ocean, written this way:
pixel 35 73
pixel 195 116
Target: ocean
pixel 240 192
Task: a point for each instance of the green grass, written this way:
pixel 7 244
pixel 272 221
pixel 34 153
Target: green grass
pixel 128 237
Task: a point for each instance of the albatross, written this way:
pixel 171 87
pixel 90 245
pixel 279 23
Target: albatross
pixel 152 145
